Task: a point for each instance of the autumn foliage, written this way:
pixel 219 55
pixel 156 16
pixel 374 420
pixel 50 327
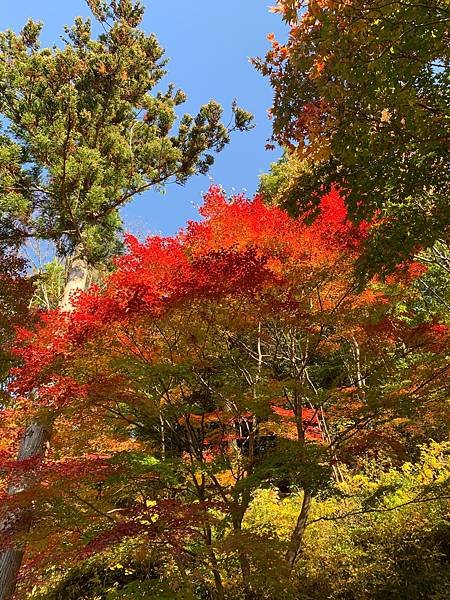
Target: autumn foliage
pixel 255 408
pixel 205 367
pixel 361 97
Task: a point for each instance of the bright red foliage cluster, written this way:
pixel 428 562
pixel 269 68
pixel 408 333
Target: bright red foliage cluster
pixel 241 246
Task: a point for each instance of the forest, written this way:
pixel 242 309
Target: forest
pixel 256 407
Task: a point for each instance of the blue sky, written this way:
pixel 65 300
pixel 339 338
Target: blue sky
pixel 208 43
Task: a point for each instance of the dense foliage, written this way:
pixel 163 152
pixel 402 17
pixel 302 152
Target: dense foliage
pixel 361 92
pixel 232 412
pixel 213 369
pixel 84 130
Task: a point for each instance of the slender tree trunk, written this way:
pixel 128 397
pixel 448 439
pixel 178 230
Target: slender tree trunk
pixel 220 592
pixel 244 563
pixel 299 530
pixel 34 444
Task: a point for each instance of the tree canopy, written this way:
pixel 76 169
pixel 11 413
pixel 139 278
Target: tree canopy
pixel 257 406
pixel 236 356
pixel 84 131
pixel 361 95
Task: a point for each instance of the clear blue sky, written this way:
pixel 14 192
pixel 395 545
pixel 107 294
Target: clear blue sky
pixel 208 43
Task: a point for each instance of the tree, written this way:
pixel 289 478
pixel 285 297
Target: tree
pixel 367 538
pixel 16 291
pixel 361 96
pixel 82 135
pixel 237 354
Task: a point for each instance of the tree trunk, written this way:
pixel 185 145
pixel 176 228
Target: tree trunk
pixel 76 279
pixel 219 590
pixel 246 574
pixel 299 530
pixel 10 562
pixel 34 444
pixel 243 559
